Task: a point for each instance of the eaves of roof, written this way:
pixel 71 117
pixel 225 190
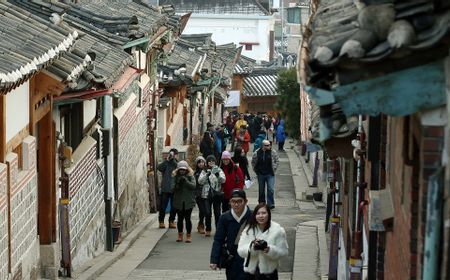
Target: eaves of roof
pixel 342 34
pixel 260 85
pixel 30 44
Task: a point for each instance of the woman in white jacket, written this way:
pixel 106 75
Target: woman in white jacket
pixel 263 243
pixel 212 194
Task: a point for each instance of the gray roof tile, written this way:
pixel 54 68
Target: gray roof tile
pixel 30 44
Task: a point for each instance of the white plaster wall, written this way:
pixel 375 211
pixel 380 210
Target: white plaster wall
pixel 89 110
pixel 235 29
pixel 17 114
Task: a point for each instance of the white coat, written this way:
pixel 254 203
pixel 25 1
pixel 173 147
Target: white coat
pixel 267 262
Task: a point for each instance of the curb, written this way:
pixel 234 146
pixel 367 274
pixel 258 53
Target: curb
pixel 99 264
pixel 321 255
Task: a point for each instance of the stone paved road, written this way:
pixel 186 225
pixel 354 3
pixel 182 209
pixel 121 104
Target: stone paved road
pixel 172 260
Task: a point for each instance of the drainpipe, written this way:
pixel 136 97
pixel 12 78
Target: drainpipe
pixel 355 259
pixel 433 226
pixel 107 124
pixel 191 117
pixel 66 258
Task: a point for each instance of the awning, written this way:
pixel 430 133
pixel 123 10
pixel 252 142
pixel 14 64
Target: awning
pixel 234 99
pixel 124 81
pixel 396 94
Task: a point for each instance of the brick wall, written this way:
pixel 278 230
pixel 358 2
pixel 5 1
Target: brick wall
pixel 399 258
pixel 86 209
pixel 3 222
pixel 23 203
pixel 132 158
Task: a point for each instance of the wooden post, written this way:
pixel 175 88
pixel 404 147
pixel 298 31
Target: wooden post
pixel 2 127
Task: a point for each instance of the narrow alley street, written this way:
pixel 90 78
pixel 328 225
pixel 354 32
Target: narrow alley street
pixel 156 255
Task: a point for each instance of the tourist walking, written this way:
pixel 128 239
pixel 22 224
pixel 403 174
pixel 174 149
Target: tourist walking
pixel 243 139
pixel 230 226
pixel 166 168
pixel 234 179
pixel 241 160
pixel 281 136
pixel 212 194
pixel 207 144
pixel 200 165
pixel 265 163
pixel 183 185
pixel 262 243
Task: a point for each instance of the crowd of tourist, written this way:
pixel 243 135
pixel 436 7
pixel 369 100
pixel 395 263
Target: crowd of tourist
pixel 216 185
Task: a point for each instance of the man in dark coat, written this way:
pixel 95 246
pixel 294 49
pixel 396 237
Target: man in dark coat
pixel 166 168
pixel 230 226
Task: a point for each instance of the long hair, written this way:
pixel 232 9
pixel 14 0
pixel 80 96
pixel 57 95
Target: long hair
pixel 253 223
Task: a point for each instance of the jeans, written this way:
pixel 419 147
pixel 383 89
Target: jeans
pixel 216 203
pixel 281 146
pixel 163 205
pixel 225 205
pixel 184 214
pixel 264 180
pixel 204 206
pixel 201 210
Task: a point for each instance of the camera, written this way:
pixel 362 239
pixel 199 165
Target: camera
pixel 260 245
pixel 170 156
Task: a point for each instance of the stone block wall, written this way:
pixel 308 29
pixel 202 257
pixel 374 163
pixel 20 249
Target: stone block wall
pixel 23 211
pixel 3 222
pixel 132 158
pixel 86 209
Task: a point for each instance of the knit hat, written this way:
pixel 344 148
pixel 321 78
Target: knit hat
pixel 226 155
pixel 200 158
pixel 182 165
pixel 211 158
pixel 238 193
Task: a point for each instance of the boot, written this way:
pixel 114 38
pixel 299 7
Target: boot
pixel 201 229
pixel 172 225
pixel 180 237
pixel 207 233
pixel 162 225
pixel 188 238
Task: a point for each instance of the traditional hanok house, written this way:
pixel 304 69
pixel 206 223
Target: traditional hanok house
pixel 214 79
pixel 31 49
pixel 383 67
pixel 259 92
pixel 178 106
pixel 103 119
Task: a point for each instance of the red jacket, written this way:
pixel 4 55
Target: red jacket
pixel 234 178
pixel 245 144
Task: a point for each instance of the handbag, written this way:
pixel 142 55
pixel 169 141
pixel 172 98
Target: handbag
pixel 226 259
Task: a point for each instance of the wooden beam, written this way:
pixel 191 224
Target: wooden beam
pixel 46 201
pixel 2 128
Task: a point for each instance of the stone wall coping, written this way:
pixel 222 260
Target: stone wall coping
pixel 120 112
pixel 86 144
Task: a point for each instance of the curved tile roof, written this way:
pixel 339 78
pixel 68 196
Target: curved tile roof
pixel 29 44
pixel 261 82
pixel 347 31
pixel 246 7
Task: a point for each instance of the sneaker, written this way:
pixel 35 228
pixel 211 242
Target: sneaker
pixel 272 207
pixel 172 225
pixel 207 233
pixel 162 225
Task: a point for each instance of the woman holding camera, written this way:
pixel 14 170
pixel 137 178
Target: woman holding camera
pixel 183 185
pixel 263 243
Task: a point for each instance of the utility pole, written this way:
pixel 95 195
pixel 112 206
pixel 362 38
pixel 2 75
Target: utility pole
pixel 282 26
